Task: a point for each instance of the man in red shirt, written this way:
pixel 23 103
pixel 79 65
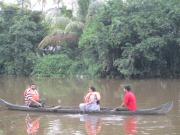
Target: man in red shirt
pixel 129 99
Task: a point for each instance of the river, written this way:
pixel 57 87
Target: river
pixel 69 92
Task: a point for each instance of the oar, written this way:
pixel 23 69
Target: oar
pixel 51 107
pixel 116 108
pixel 55 107
pixel 119 108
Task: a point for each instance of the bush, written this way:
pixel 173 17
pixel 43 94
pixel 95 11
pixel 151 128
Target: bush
pixel 52 66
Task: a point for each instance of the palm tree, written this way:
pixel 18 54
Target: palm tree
pixel 63 29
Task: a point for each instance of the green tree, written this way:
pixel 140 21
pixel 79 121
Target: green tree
pixel 83 9
pixel 62 40
pixel 52 65
pixel 20 35
pixel 23 3
pixel 136 39
pixel 64 33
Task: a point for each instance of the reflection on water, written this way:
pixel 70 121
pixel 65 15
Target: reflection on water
pixel 150 93
pixel 155 125
pixel 32 124
pixel 54 127
pixel 92 124
pixel 45 124
pixel 129 125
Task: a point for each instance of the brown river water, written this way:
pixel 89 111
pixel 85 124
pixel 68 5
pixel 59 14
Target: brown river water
pixel 69 92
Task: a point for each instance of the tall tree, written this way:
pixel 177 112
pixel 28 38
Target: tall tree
pixel 19 36
pixel 24 3
pixel 58 2
pixel 42 3
pixel 133 39
pixel 83 9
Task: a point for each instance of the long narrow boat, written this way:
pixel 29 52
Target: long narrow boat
pixel 162 109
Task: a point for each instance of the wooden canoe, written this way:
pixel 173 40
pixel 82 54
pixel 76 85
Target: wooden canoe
pixel 162 109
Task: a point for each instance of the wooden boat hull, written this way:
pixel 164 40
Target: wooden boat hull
pixel 163 109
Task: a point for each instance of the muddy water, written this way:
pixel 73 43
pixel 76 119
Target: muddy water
pixel 69 92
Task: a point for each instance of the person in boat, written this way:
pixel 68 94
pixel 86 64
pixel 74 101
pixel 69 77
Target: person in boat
pixel 129 99
pixel 91 100
pixel 31 97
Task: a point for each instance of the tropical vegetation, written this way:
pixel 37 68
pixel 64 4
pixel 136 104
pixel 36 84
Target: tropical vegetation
pixel 107 38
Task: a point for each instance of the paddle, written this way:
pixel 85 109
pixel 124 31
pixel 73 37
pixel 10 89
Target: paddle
pixel 55 107
pixel 116 108
pixel 42 102
pixel 120 109
pixel 121 106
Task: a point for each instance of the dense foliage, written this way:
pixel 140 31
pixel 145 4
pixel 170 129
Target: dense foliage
pixel 114 38
pixel 51 65
pixel 134 39
pixel 20 32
